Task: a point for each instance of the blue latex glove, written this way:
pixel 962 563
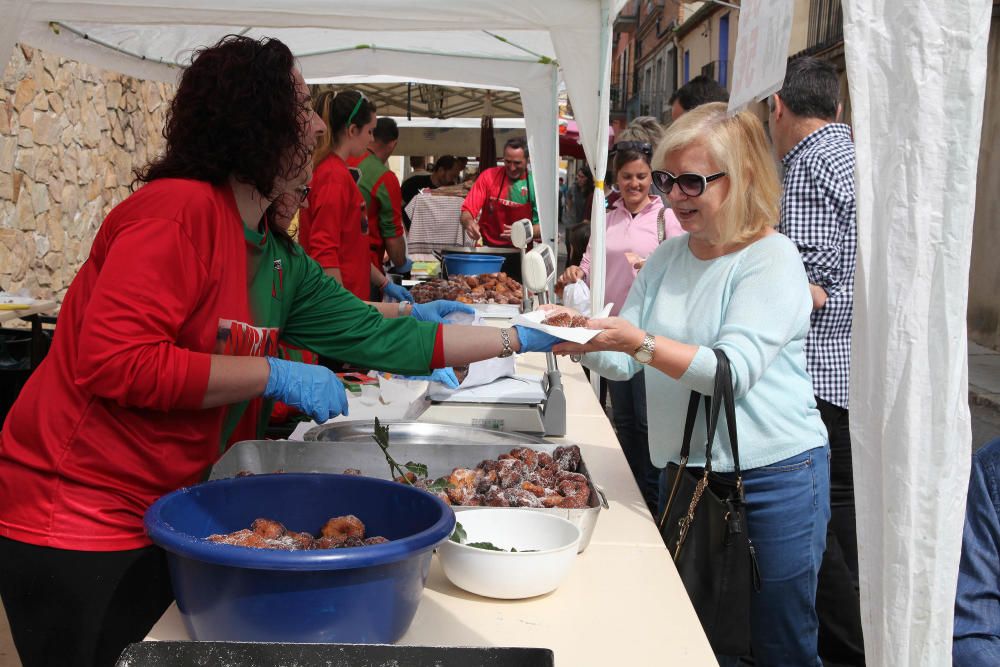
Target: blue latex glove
pixel 445 376
pixel 397 292
pixel 315 390
pixel 533 340
pixel 437 311
pixel 405 268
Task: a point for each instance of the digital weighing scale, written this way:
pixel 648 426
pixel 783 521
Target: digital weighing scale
pixel 528 405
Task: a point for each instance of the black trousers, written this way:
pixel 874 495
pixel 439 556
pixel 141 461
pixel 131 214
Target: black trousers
pixel 80 608
pixel 628 411
pixel 838 606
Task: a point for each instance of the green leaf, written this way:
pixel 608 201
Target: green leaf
pixel 440 484
pixel 381 434
pixel 458 535
pixel 418 469
pixel 488 546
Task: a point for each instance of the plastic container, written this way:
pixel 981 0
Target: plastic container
pixel 472 264
pixel 546 548
pixel 356 595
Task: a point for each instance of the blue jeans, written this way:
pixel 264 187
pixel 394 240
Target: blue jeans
pixel 788 507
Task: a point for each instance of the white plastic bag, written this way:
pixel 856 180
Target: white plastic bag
pixel 577 296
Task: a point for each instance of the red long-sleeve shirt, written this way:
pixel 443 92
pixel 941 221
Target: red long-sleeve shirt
pixel 333 230
pixel 110 421
pixel 127 373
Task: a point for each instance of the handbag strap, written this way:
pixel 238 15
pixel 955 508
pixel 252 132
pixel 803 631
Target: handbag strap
pixel 724 388
pixel 692 416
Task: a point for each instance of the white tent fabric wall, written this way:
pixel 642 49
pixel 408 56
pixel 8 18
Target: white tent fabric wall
pixel 910 429
pixel 511 44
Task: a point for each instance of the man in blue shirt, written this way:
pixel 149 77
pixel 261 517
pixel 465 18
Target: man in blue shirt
pixel 818 214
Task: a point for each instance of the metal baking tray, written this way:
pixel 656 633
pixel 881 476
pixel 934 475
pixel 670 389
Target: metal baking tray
pixel 269 456
pixel 419 433
pixel 192 654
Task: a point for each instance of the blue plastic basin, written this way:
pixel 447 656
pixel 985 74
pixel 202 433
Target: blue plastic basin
pixel 472 264
pixel 356 595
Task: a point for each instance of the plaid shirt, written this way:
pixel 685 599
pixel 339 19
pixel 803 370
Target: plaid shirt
pixel 818 213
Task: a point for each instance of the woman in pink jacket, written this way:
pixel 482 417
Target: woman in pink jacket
pixel 636 223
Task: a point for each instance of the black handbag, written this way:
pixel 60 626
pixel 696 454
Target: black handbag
pixel 704 526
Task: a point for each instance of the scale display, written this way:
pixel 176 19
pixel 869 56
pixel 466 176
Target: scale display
pixel 538 269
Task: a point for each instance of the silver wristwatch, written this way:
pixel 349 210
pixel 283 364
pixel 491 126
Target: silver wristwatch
pixel 644 353
pixel 507 349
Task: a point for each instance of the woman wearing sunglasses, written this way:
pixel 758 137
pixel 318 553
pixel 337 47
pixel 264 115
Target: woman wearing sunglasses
pixel 636 223
pixel 733 283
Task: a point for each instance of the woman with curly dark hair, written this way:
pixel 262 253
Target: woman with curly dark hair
pixel 166 336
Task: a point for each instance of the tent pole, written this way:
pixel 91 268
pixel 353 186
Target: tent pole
pixel 598 273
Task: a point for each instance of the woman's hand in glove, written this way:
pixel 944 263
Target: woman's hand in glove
pixel 534 340
pixel 438 311
pixel 315 390
pixel 445 376
pixel 397 292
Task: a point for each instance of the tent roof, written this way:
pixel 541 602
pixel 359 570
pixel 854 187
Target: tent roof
pixel 522 45
pixel 426 100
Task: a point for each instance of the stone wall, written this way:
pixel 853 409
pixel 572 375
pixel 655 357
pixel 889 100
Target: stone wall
pixel 70 136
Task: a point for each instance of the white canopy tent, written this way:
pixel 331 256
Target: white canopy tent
pixel 519 44
pixel 916 180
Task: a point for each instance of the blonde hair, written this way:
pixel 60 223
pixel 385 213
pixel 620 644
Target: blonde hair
pixel 738 146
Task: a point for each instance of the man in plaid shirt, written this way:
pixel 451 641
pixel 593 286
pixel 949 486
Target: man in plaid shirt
pixel 818 214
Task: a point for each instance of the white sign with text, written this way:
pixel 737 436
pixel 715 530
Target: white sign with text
pixel 761 50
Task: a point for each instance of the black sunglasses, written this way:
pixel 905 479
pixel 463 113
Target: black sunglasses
pixel 641 146
pixel 693 185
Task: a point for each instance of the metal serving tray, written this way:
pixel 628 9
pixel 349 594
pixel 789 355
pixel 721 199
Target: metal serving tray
pixel 190 654
pixel 419 433
pixel 268 456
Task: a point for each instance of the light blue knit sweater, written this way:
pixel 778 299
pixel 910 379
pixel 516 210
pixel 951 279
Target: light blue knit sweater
pixel 754 305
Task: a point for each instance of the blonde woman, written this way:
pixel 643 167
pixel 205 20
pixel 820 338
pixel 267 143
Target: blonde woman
pixel 733 283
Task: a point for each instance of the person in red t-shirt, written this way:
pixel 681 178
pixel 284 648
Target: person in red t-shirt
pixel 333 230
pixel 165 335
pixel 500 197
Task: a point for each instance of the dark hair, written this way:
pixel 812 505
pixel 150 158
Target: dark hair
pixel 811 88
pixel 335 109
pixel 235 113
pixel 626 155
pixel 517 143
pixel 418 162
pixel 577 238
pixel 585 169
pixel 699 90
pixel 385 130
pixel 445 162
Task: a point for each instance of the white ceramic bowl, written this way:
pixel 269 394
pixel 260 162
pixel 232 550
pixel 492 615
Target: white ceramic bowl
pixel 511 575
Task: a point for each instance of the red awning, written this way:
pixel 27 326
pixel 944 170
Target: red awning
pixel 569 141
